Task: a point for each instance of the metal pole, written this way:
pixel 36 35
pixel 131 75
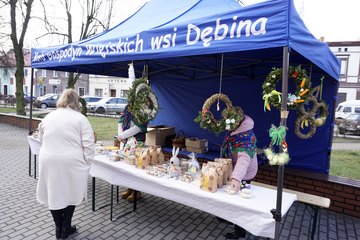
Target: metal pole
pixel 30 117
pixel 280 179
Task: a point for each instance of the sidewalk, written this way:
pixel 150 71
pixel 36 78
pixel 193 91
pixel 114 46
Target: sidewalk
pixel 22 217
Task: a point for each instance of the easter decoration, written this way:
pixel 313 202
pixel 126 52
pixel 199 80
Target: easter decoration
pixel 231 116
pixel 273 98
pixel 277 135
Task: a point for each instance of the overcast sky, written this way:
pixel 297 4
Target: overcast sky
pixel 334 20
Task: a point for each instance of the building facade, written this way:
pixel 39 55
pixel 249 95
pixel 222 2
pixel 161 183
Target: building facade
pixel 349 55
pixel 45 81
pixel 105 86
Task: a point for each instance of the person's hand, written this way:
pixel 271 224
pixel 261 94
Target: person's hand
pixel 235 184
pixel 121 140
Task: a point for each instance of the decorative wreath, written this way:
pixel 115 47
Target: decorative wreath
pixel 272 97
pixel 313 118
pixel 232 116
pixel 83 106
pixel 142 102
pixel 277 135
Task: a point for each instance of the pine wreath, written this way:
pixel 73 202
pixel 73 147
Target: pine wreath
pixel 231 116
pixel 142 102
pixel 272 97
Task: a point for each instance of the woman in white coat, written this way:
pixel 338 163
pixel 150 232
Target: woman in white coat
pixel 65 156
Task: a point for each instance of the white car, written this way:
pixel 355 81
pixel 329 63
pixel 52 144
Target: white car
pixel 108 105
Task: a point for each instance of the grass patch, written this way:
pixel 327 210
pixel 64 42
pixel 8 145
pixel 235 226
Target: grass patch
pixel 345 163
pixel 7 110
pixel 346 139
pixel 105 128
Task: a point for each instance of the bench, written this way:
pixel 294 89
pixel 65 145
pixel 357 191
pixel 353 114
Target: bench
pixel 315 202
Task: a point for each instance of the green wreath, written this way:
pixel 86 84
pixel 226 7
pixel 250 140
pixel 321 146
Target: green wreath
pixel 272 97
pixel 232 116
pixel 142 102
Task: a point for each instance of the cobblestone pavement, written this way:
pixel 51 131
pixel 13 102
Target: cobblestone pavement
pixel 22 217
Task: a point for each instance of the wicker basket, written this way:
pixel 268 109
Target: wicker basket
pixel 179 140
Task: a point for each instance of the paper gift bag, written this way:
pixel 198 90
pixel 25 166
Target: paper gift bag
pixel 161 157
pixel 143 160
pixel 218 166
pixel 153 156
pixel 208 179
pixel 227 168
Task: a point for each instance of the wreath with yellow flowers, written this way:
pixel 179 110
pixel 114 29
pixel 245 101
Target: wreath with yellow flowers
pixel 231 116
pixel 273 98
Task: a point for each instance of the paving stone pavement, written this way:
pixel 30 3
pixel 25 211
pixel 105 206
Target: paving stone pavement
pixel 22 217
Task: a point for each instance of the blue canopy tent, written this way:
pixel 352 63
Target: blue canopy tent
pixel 182 43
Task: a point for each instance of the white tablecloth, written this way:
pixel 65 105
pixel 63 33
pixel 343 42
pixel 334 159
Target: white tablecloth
pixel 252 214
pixel 34 144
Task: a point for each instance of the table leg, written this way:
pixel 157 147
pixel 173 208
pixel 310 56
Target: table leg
pixel 29 162
pixel 93 194
pixel 135 200
pixel 316 211
pixel 35 166
pixel 111 202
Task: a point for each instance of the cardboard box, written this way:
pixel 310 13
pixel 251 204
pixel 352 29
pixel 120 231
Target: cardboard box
pixel 196 143
pixel 197 150
pixel 156 135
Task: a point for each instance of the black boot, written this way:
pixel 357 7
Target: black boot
pixel 67 229
pixel 58 219
pixel 238 232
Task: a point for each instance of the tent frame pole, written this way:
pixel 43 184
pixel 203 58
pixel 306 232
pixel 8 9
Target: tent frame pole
pixel 280 178
pixel 30 117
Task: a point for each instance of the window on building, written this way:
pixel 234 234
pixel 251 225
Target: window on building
pixel 6 71
pixel 43 73
pixel 55 74
pixel 344 63
pixel 98 92
pixel 25 72
pixel 81 91
pixel 66 74
pixel 357 110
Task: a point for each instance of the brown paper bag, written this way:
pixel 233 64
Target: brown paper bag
pixel 153 156
pixel 161 157
pixel 227 168
pixel 218 166
pixel 208 179
pixel 144 159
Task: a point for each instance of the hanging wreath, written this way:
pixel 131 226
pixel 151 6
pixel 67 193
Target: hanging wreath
pixel 272 97
pixel 142 102
pixel 277 135
pixel 312 118
pixel 231 116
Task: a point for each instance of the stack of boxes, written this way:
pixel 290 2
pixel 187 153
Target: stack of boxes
pixel 196 145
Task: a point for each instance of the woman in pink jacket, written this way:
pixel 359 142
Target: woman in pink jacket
pixel 240 145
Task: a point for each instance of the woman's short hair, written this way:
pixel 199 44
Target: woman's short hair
pixel 69 98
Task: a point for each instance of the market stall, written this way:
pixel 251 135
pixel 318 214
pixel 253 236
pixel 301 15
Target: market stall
pixel 196 48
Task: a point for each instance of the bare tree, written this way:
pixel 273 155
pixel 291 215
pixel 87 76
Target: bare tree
pixel 90 25
pixel 17 35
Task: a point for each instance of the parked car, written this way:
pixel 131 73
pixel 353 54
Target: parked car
pixel 345 109
pixel 350 124
pixel 108 105
pixel 91 99
pixel 45 96
pixel 10 99
pixel 27 98
pixel 45 102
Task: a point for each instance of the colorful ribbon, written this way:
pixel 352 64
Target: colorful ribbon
pixel 277 134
